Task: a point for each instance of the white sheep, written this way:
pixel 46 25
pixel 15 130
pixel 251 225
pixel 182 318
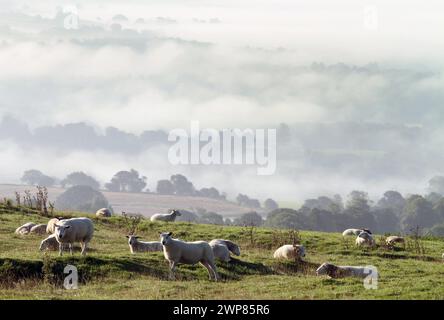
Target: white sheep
pixel 390 241
pixel 38 229
pixel 221 249
pixel 169 217
pixel 365 239
pixel 74 230
pixel 24 229
pixel 177 251
pixel 50 227
pixel 342 271
pixel 103 213
pixel 143 246
pixel 290 252
pixel 355 232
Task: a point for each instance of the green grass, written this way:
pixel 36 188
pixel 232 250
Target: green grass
pixel 109 271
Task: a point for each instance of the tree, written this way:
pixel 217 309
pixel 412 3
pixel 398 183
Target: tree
pixel 270 205
pixel 182 186
pixel 438 208
pixel 187 216
pixel 81 198
pixel 392 200
pixel 80 179
pixel 210 193
pixel 36 177
pixel 386 220
pixel 127 181
pixel 358 209
pixel 436 184
pixel 245 201
pixel 249 219
pixel 211 218
pixel 418 212
pixel 165 187
pixel 287 219
pixel 321 220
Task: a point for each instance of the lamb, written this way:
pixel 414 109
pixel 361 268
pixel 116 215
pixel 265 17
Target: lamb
pixel 177 251
pixel 290 252
pixel 38 229
pixel 103 213
pixel 342 271
pixel 365 239
pixel 143 246
pixel 221 249
pixel 169 217
pixel 390 241
pixel 50 227
pixel 74 230
pixel 25 229
pixel 50 243
pixel 355 232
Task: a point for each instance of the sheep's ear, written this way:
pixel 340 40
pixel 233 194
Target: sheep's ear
pixel 137 237
pixel 127 236
pixel 170 234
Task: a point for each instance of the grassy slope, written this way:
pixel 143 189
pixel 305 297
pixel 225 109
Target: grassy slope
pixel 111 272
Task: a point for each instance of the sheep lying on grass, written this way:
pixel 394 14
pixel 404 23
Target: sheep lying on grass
pixel 177 251
pixel 355 232
pixel 222 248
pixel 103 213
pixel 168 217
pixel 342 271
pixel 74 230
pixel 38 229
pixel 290 252
pixel 25 229
pixel 50 243
pixel 390 241
pixel 142 246
pixel 365 239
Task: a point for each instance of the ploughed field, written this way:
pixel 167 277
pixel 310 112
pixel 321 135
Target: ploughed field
pixel 110 271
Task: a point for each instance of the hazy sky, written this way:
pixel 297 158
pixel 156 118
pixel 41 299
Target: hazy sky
pixel 227 64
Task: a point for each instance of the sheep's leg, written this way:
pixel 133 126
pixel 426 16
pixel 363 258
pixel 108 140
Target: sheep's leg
pixel 173 265
pixel 84 245
pixel 70 248
pixel 214 269
pixel 211 270
pixel 60 249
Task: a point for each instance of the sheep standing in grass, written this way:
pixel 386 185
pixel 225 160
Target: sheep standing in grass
pixel 221 249
pixel 25 229
pixel 365 239
pixel 355 232
pixel 103 213
pixel 168 217
pixel 142 246
pixel 74 230
pixel 50 227
pixel 390 241
pixel 290 252
pixel 177 251
pixel 342 271
pixel 38 229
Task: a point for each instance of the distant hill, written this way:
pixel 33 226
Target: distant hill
pixel 143 203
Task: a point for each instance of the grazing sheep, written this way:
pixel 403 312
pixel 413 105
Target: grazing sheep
pixel 355 232
pixel 143 246
pixel 50 243
pixel 365 239
pixel 169 217
pixel 221 249
pixel 342 271
pixel 38 229
pixel 290 252
pixel 74 230
pixel 103 213
pixel 177 251
pixel 25 229
pixel 390 241
pixel 50 227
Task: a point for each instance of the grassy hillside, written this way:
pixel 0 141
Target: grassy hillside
pixel 110 272
pixel 144 203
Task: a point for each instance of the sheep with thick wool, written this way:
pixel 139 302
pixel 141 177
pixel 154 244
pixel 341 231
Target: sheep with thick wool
pixel 38 229
pixel 103 213
pixel 365 239
pixel 222 248
pixel 342 271
pixel 25 229
pixel 143 246
pixel 50 227
pixel 74 230
pixel 177 251
pixel 167 217
pixel 290 252
pixel 355 232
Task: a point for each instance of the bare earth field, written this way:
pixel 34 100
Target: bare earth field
pixel 143 203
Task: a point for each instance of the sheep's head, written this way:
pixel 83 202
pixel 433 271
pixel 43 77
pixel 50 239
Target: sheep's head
pixel 326 269
pixel 132 239
pixel 165 237
pixel 176 212
pixel 43 245
pixel 60 230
